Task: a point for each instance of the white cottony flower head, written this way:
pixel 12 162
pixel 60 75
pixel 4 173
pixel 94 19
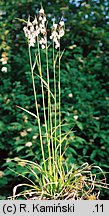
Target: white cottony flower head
pixel 35 33
pixel 61 33
pixel 41 11
pixel 57 32
pixel 43 41
pixel 54 34
pixel 57 45
pixel 32 41
pixel 61 29
pixel 42 22
pixel 26 31
pixel 44 19
pixel 42 29
pixel 41 25
pixel 31 31
pixel 28 23
pixel 61 23
pixel 55 26
pixel 37 29
pixel 40 18
pixel 35 21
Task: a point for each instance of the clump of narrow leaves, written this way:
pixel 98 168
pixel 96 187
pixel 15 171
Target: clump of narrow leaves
pixel 76 183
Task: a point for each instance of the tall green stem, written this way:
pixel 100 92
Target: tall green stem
pixel 42 86
pixel 36 105
pixel 50 125
pixel 49 112
pixel 59 87
pixel 54 69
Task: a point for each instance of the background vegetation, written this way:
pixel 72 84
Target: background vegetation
pixel 84 84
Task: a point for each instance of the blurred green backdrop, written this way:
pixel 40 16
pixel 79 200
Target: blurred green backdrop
pixel 84 84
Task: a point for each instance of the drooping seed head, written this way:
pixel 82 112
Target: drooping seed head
pixel 41 11
pixel 61 23
pixel 57 32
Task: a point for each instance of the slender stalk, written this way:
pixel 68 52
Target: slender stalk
pixel 59 88
pixel 49 105
pixel 37 110
pixel 54 69
pixel 50 126
pixel 51 134
pixel 43 94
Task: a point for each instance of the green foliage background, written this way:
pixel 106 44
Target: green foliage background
pixel 84 84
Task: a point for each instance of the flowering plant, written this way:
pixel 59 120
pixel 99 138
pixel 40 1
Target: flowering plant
pixel 54 179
